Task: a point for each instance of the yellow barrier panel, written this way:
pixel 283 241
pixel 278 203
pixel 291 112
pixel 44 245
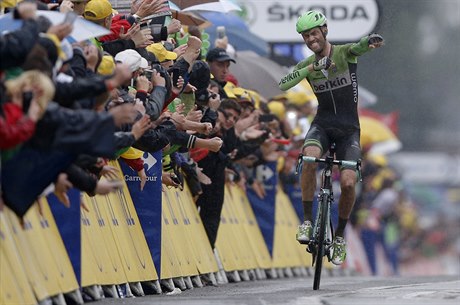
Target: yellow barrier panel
pixel 226 243
pixel 239 230
pixel 174 235
pixel 126 256
pixel 196 235
pixel 14 284
pixel 170 265
pixel 252 230
pixel 287 252
pixel 180 240
pixel 35 256
pixel 100 262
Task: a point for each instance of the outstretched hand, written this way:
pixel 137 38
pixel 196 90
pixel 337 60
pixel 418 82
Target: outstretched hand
pixel 322 64
pixel 375 41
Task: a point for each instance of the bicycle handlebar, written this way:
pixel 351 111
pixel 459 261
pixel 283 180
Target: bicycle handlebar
pixel 350 164
pixel 346 163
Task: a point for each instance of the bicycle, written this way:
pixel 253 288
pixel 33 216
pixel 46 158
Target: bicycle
pixel 320 242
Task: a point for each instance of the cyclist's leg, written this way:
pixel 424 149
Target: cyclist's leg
pixel 315 141
pixel 347 149
pixel 313 144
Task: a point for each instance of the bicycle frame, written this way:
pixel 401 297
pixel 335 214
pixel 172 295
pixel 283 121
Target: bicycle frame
pixel 321 241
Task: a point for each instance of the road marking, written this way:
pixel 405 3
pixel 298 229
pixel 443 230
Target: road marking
pixel 414 295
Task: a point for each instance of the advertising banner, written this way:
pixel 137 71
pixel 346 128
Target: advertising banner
pixel 264 208
pixel 275 21
pixel 148 201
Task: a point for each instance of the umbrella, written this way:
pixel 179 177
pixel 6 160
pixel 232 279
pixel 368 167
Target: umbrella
pixel 188 18
pixel 377 138
pixel 223 6
pixel 258 73
pixel 173 6
pixel 82 29
pixel 186 3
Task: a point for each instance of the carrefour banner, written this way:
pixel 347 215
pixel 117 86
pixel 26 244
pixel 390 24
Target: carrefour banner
pixel 264 208
pixel 148 201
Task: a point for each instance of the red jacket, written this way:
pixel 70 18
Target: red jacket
pixel 118 21
pixel 15 127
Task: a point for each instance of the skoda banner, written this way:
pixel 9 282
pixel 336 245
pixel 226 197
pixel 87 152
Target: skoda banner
pixel 274 21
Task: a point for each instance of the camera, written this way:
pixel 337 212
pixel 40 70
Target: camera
pixel 157 30
pixel 160 69
pixel 220 32
pixel 148 74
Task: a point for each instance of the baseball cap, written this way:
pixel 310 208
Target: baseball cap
pixel 160 52
pixel 144 63
pixel 243 95
pixel 218 54
pixel 129 57
pixel 97 10
pixel 107 65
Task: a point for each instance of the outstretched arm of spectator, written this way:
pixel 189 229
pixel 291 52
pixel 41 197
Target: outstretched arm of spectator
pixel 80 88
pixel 155 103
pixel 15 46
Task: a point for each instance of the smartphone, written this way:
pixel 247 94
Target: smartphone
pixel 27 97
pixel 220 31
pixel 70 17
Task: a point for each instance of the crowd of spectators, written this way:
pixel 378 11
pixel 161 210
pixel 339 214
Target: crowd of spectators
pixel 68 107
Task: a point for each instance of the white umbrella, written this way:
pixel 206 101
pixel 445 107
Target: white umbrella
pixel 82 29
pixel 222 6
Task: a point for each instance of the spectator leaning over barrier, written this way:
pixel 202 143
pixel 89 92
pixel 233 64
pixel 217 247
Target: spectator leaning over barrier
pixel 219 63
pixel 61 133
pixel 214 164
pixel 165 58
pixel 28 97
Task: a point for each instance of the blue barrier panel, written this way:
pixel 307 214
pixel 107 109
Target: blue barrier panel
pixel 264 208
pixel 148 202
pixel 68 222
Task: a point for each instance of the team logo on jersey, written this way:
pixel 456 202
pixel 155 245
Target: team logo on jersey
pixel 323 85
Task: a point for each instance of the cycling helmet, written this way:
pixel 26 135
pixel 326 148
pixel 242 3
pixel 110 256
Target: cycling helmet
pixel 310 20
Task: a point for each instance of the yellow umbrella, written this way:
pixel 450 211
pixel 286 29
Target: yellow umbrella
pixel 377 138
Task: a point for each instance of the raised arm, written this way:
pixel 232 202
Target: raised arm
pixel 293 78
pixel 366 44
pixel 301 71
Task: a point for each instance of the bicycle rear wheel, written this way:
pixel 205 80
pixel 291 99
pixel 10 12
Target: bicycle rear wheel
pixel 321 241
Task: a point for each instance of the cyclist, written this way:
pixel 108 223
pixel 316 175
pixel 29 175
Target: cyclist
pixel 331 72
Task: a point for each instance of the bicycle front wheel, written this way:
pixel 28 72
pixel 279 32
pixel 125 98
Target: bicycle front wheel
pixel 321 241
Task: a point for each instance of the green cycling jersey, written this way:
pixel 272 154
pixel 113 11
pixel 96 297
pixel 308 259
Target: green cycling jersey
pixel 336 88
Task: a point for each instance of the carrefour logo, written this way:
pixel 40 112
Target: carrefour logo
pixel 149 160
pixel 149 163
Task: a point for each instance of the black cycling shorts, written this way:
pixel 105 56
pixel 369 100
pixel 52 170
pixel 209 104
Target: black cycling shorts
pixel 346 141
